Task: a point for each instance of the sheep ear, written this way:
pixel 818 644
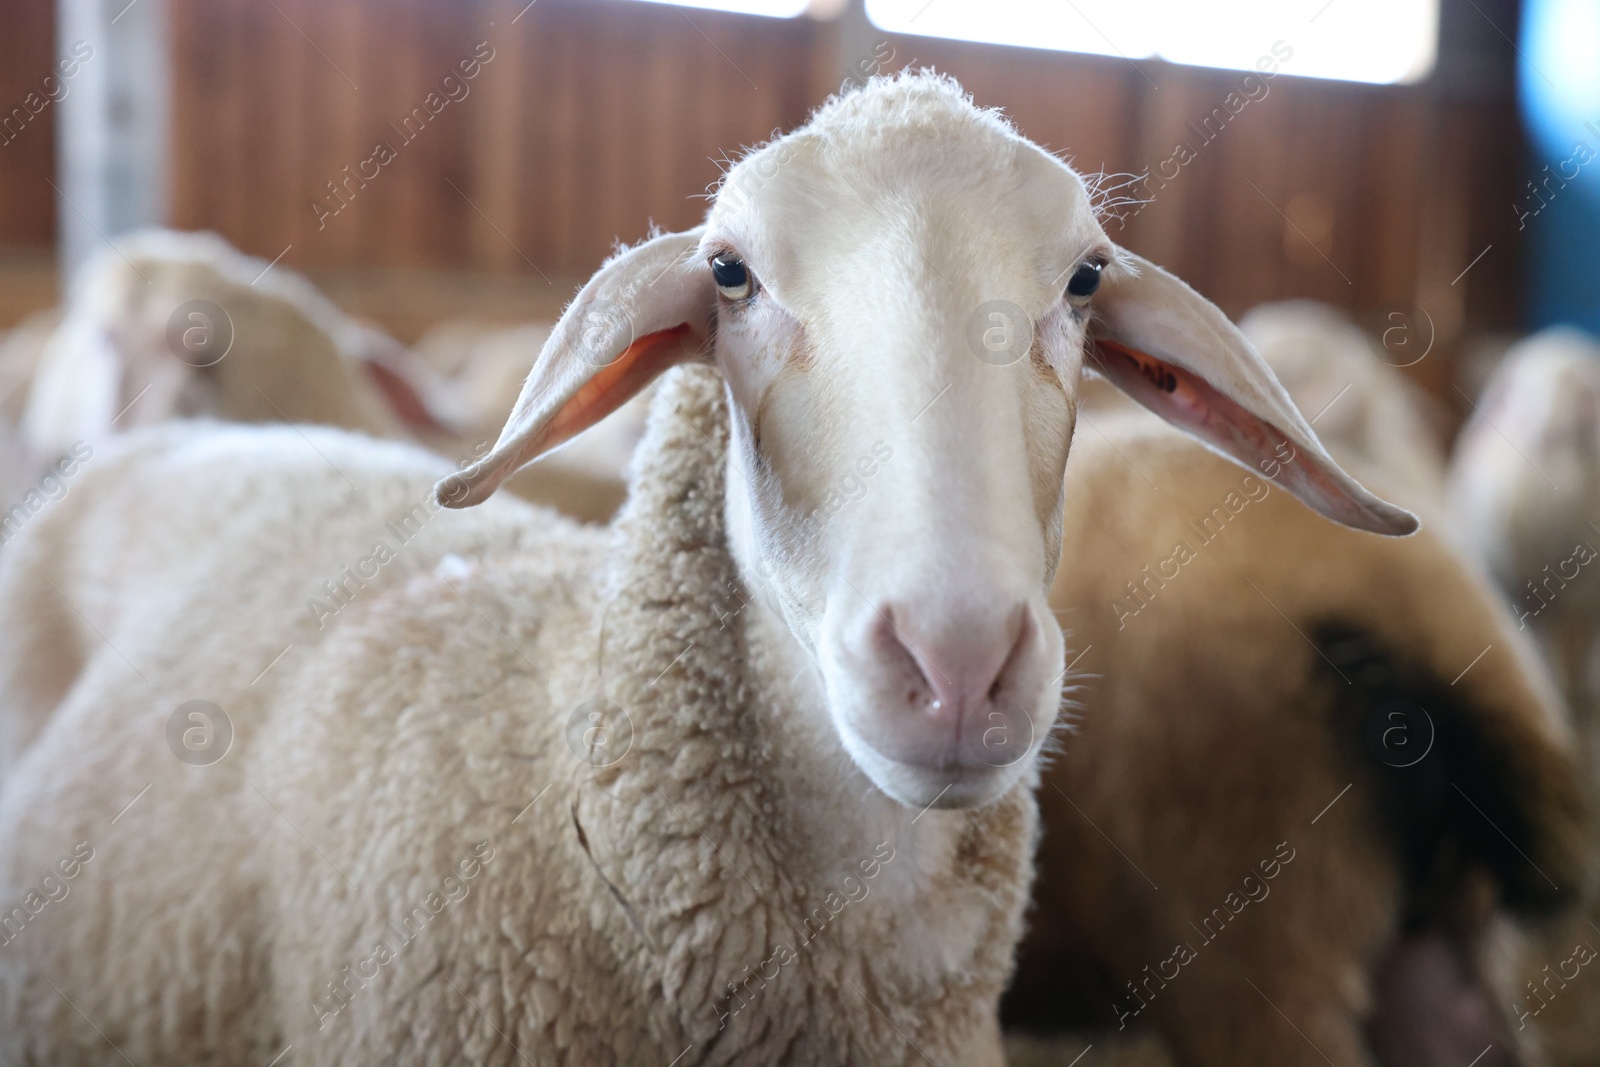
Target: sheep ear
pixel 76 389
pixel 411 390
pixel 643 312
pixel 87 383
pixel 1176 353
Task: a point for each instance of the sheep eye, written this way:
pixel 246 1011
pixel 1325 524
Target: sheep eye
pixel 1083 283
pixel 732 277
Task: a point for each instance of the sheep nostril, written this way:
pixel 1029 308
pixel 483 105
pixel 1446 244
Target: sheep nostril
pixel 958 668
pixel 1021 623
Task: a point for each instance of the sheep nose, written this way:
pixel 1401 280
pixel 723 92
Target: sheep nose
pixel 960 695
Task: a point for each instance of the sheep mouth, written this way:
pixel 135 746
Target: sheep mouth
pixel 943 781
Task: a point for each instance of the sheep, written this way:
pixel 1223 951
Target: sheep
pixel 17 471
pixel 1249 741
pixel 1362 407
pixel 147 334
pixel 1524 485
pixel 282 351
pixel 141 340
pixel 485 362
pixel 707 786
pixel 20 469
pixel 1525 495
pixel 20 349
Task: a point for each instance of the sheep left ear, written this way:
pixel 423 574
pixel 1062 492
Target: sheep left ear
pixel 643 311
pixel 1176 353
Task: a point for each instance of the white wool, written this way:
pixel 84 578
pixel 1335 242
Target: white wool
pixel 627 910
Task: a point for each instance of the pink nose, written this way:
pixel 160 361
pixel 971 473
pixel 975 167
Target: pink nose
pixel 960 698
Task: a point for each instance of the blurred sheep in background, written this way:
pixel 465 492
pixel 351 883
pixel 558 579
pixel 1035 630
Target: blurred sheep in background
pixel 181 325
pixel 1525 493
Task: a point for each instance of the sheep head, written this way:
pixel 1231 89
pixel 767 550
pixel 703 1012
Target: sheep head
pixel 1527 469
pixel 902 296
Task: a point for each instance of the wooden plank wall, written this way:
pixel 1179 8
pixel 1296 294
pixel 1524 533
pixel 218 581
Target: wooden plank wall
pixel 28 146
pixel 595 117
pixel 586 120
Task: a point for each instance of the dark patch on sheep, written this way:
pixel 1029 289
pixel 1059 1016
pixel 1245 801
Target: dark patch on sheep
pixel 969 851
pixel 1067 993
pixel 1039 359
pixel 1467 805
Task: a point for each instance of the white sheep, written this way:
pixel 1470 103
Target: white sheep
pixel 20 469
pixel 1248 739
pixel 18 479
pixel 1525 494
pixel 484 362
pixel 166 324
pixel 141 340
pixel 20 351
pixel 744 779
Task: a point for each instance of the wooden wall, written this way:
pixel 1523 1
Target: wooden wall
pixel 595 117
pixel 27 149
pixel 589 119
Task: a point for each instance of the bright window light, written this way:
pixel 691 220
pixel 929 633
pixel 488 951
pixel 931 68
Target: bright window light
pixel 779 9
pixel 1379 41
pixel 1560 72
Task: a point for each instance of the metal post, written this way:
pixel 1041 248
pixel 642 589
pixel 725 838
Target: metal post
pixel 113 127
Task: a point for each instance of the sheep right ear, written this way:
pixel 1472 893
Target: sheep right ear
pixel 643 312
pixel 1176 353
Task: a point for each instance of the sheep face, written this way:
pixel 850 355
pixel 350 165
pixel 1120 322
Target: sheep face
pixel 903 386
pixel 901 297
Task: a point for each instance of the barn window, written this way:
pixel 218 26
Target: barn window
pixel 782 9
pixel 1379 41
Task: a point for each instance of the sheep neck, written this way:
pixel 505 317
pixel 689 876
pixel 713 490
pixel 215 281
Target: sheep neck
pixel 737 798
